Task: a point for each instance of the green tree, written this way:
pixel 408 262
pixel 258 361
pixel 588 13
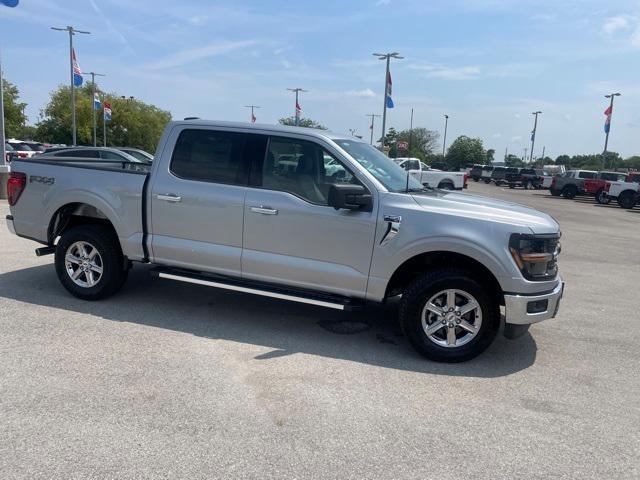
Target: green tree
pixel 304 122
pixel 465 150
pixel 14 120
pixel 133 122
pixel 490 154
pixel 563 160
pixel 632 162
pixel 421 142
pixel 513 161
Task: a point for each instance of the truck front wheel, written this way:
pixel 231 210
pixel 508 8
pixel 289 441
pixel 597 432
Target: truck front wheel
pixel 627 200
pixel 89 262
pixel 448 316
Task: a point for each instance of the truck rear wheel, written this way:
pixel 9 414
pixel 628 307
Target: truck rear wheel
pixel 569 192
pixel 89 262
pixel 445 185
pixel 602 198
pixel 448 316
pixel 554 192
pixel 627 200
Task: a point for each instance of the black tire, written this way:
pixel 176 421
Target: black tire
pixel 512 185
pixel 627 200
pixel 446 186
pixel 602 198
pixel 422 289
pixel 569 192
pixel 487 180
pixel 475 179
pixel 114 271
pixel 554 192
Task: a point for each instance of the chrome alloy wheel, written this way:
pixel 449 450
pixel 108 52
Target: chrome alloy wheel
pixel 451 318
pixel 83 264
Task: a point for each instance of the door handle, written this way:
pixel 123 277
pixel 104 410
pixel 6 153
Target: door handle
pixel 169 197
pixel 264 210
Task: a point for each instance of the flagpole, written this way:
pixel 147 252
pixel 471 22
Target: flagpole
pixel 373 116
pixel 387 57
pixel 252 107
pixel 104 124
pixel 444 140
pixel 72 31
pixel 93 100
pixel 606 138
pixel 3 160
pixel 297 114
pixel 533 134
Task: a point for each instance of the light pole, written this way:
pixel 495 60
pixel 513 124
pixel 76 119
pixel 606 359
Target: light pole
pixel 373 116
pixel 93 100
pixel 387 57
pixel 533 133
pixel 253 117
pixel 444 140
pixel 72 31
pixel 410 132
pixel 607 126
pixel 298 109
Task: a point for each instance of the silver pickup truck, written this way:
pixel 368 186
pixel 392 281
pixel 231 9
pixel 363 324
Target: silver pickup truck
pixel 300 215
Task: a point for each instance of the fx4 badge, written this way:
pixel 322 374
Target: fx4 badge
pixel 39 179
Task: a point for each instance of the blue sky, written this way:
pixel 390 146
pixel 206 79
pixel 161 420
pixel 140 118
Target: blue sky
pixel 486 63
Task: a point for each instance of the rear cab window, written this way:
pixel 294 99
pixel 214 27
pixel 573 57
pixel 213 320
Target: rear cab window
pixel 587 175
pixel 215 156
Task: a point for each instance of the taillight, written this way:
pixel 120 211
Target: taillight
pixel 15 185
pixel 22 155
pixel 466 177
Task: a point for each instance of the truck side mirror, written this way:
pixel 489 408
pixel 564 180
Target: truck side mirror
pixel 350 197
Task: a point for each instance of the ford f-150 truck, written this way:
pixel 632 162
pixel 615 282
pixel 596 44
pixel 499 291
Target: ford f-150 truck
pixel 254 209
pixel 571 183
pixel 625 193
pixel 596 187
pixel 433 177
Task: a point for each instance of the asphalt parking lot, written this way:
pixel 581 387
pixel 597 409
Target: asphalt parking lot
pixel 170 380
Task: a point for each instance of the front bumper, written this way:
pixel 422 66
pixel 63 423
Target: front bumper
pixel 10 225
pixel 528 309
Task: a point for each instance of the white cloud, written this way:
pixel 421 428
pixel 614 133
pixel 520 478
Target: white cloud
pixel 617 23
pixel 448 73
pixel 365 93
pixel 383 2
pixel 516 139
pixel 516 115
pixel 286 64
pixel 496 135
pixel 635 38
pixel 191 55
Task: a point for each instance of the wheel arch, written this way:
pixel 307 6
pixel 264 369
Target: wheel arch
pixel 420 263
pixel 76 213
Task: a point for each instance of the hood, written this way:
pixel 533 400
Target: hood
pixel 490 209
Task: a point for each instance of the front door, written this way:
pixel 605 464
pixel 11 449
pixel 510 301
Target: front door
pixel 197 202
pixel 291 235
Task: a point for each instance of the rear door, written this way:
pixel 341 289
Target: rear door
pixel 197 199
pixel 291 235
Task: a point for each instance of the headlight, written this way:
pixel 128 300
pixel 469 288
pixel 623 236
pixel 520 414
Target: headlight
pixel 536 255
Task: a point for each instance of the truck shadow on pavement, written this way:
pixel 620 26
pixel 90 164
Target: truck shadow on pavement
pixel 285 327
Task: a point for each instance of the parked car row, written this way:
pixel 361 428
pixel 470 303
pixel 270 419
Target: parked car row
pixel 18 149
pixel 603 186
pixel 511 176
pixel 433 177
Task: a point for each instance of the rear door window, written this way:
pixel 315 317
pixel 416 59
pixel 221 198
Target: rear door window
pixel 209 156
pixel 79 153
pixel 587 175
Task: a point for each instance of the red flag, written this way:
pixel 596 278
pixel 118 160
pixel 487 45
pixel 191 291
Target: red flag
pixel 298 110
pixel 609 110
pixel 253 118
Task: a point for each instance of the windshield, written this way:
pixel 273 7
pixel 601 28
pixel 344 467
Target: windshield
pixel 388 173
pixel 23 147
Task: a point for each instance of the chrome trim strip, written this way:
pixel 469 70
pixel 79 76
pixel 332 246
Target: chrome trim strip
pixel 254 291
pixel 393 228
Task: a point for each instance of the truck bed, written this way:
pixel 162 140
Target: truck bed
pixel 114 188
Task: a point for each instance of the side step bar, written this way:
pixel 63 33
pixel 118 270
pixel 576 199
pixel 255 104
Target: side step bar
pixel 257 288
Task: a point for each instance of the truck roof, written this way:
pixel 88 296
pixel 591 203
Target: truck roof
pixel 265 127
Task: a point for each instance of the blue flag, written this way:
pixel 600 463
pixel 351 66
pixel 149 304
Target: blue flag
pixel 96 102
pixel 9 3
pixel 388 99
pixel 77 73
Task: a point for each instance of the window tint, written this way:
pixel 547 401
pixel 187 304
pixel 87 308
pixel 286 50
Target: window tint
pixel 79 153
pixel 303 169
pixel 586 175
pixel 105 154
pixel 208 156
